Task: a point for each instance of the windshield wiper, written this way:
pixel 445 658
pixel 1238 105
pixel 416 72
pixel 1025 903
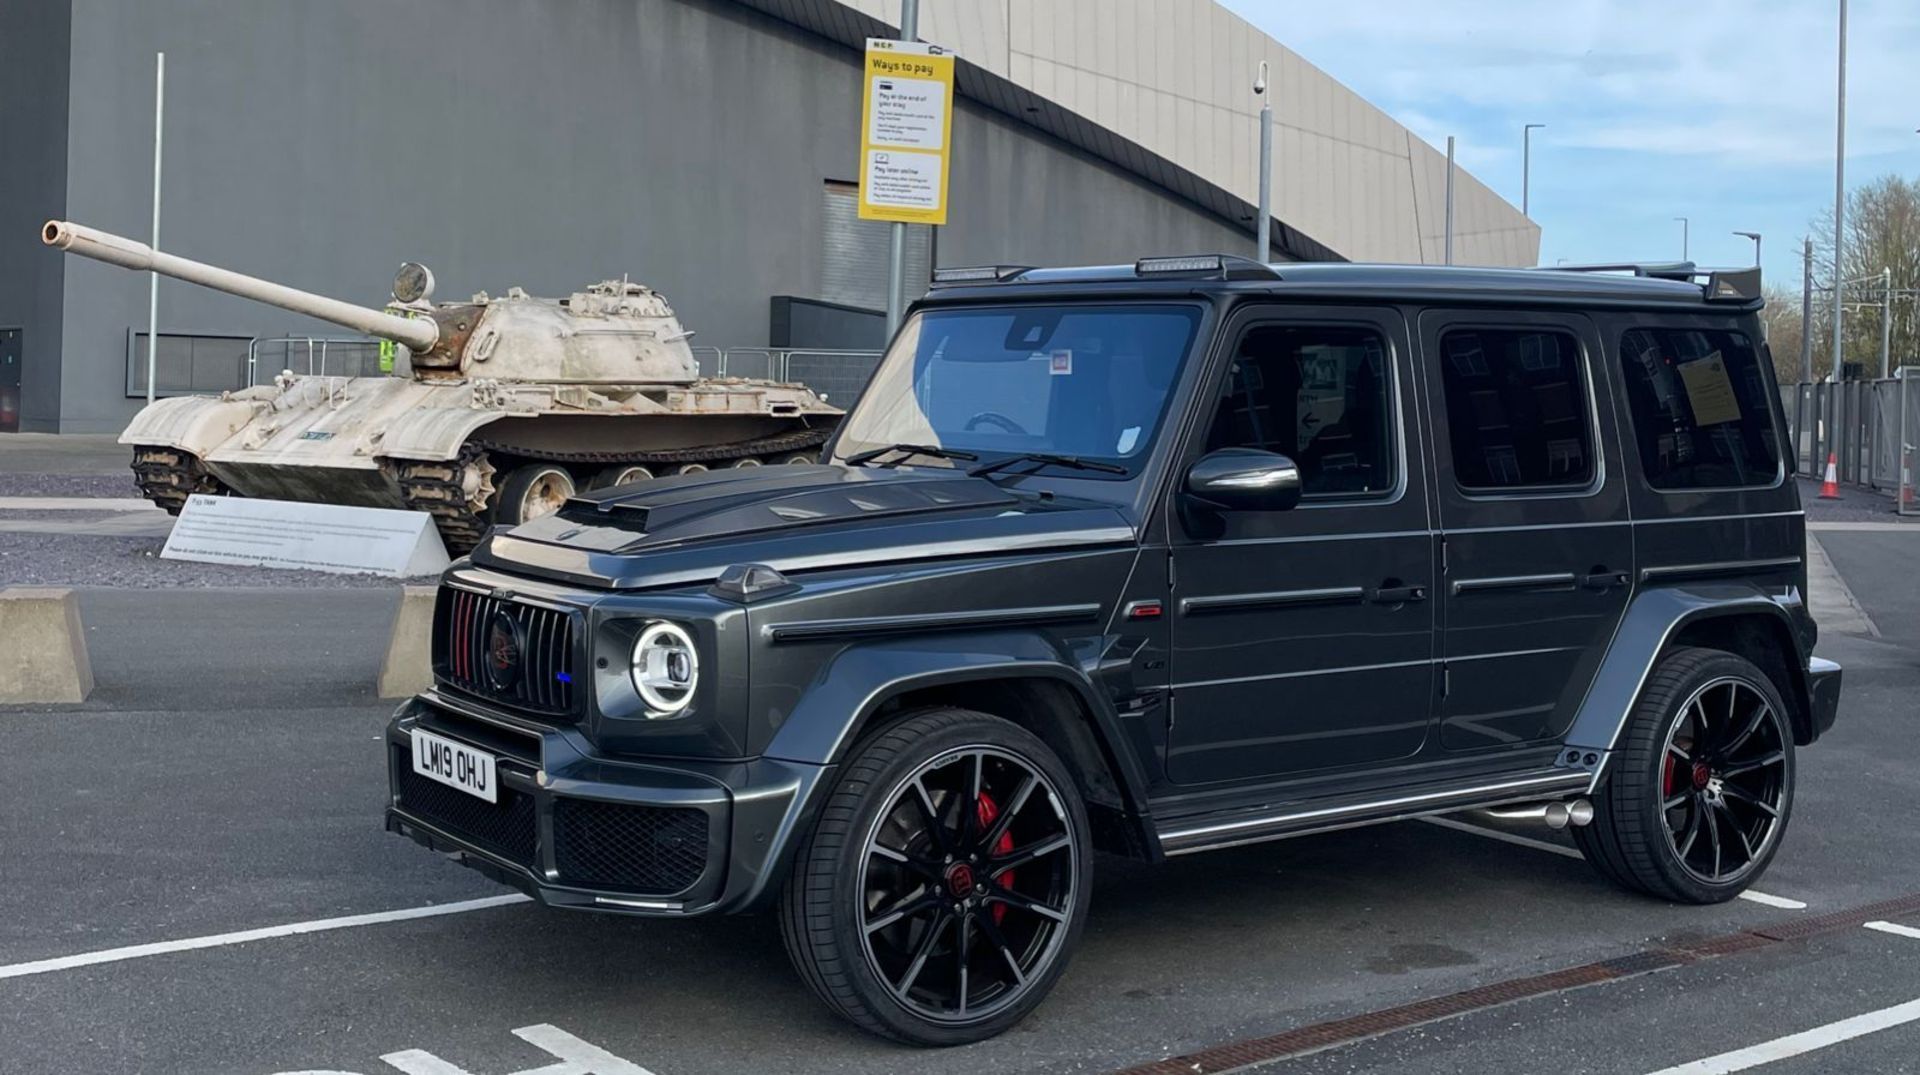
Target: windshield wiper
pixel 1071 462
pixel 910 450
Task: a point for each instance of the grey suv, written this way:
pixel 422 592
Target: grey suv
pixel 1152 560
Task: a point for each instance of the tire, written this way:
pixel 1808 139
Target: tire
pixel 530 491
pixel 917 878
pixel 1701 827
pixel 619 474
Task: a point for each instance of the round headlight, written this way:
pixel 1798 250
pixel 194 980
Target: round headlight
pixel 666 667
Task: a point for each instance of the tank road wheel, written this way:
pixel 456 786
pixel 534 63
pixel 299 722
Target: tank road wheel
pixel 690 468
pixel 608 477
pixel 531 491
pixel 168 476
pixel 1696 799
pixel 799 458
pixel 939 896
pixel 744 461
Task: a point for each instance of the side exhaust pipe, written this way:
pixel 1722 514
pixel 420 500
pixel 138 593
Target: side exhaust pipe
pixel 1558 815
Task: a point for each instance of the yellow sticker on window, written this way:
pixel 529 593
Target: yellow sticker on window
pixel 1709 391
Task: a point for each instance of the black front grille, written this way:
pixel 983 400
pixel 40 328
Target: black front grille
pixel 657 850
pixel 534 672
pixel 505 828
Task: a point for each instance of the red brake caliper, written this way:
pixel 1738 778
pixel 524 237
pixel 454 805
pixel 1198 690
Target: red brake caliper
pixel 988 810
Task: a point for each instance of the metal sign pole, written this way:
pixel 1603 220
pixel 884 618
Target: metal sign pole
pixel 897 237
pixel 153 281
pixel 1449 239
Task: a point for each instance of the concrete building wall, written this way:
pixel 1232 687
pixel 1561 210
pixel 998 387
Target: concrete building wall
pixel 1176 77
pixel 503 142
pixel 33 183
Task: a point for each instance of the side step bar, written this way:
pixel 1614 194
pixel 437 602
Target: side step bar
pixel 1186 837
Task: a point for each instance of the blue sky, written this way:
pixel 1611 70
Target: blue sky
pixel 1716 110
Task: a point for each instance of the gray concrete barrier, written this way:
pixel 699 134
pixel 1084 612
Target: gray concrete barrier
pixel 408 666
pixel 44 647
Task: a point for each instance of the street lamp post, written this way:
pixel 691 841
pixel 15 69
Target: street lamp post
pixel 1685 224
pixel 897 231
pixel 1755 236
pixel 1526 165
pixel 1839 187
pixel 1263 233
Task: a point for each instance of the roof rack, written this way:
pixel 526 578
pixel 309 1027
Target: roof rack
pixel 1717 285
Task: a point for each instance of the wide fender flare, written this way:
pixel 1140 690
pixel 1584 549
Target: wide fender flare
pixel 839 704
pixel 194 424
pixel 1653 618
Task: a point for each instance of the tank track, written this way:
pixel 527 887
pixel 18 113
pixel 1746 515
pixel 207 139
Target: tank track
pixel 168 476
pixel 434 487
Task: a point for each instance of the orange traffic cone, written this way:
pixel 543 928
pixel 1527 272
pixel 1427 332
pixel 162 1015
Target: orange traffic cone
pixel 1830 485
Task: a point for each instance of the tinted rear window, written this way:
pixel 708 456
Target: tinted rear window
pixel 1700 408
pixel 1516 409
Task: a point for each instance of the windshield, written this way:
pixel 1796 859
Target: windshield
pixel 1084 381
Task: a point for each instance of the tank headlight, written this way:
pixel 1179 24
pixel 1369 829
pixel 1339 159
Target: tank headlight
pixel 413 283
pixel 666 667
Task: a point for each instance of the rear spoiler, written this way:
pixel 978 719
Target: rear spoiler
pixel 1717 285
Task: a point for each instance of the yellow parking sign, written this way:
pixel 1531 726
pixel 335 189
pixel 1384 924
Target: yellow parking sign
pixel 905 131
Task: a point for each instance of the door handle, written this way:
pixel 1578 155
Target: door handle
pixel 1603 580
pixel 1396 595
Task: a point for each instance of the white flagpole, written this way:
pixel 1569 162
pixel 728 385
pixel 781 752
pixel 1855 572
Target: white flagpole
pixel 153 281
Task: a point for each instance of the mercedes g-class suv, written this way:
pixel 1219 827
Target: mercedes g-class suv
pixel 1152 560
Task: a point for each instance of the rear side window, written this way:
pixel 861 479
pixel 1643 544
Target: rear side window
pixel 1700 408
pixel 1517 409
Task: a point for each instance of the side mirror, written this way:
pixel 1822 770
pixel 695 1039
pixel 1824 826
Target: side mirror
pixel 1245 479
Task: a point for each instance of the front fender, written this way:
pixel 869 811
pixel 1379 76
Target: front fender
pixel 1651 621
pixel 193 424
pixel 841 702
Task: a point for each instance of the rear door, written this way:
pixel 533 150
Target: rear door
pixel 1536 539
pixel 1303 639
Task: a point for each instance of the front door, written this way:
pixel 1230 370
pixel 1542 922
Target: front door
pixel 1536 541
pixel 9 380
pixel 1303 639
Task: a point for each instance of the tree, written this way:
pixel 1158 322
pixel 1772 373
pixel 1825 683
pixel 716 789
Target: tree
pixel 1883 232
pixel 1781 319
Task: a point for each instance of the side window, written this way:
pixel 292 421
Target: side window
pixel 1517 409
pixel 1700 410
pixel 1318 395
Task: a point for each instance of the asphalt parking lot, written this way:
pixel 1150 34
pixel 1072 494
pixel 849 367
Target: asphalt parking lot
pixel 197 881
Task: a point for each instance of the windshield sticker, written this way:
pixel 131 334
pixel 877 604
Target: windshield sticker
pixel 1061 362
pixel 1129 437
pixel 1709 392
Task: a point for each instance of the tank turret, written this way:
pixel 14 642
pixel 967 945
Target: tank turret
pixel 613 333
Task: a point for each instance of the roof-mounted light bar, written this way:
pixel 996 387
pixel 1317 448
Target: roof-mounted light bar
pixel 1206 267
pixel 979 274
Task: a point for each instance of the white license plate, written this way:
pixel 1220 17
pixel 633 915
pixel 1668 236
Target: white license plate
pixel 456 765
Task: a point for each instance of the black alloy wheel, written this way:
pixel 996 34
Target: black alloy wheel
pixel 1695 798
pixel 945 886
pixel 1723 780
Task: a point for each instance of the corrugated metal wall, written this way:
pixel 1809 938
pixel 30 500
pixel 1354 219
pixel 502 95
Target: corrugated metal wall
pixel 854 252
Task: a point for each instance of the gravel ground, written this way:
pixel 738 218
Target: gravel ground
pixel 83 485
pixel 1856 505
pixel 134 563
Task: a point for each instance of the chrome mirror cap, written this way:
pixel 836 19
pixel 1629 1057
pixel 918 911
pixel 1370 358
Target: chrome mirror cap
pixel 1245 479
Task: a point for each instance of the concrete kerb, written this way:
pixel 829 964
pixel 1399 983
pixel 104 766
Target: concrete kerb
pixel 407 668
pixel 44 647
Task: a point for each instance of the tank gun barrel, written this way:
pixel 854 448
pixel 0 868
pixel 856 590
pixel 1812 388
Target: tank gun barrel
pixel 419 334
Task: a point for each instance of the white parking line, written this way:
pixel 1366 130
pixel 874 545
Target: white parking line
pixel 1799 1044
pixel 217 940
pixel 1750 896
pixel 1896 930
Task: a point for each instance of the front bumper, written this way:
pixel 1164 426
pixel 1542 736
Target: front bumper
pixel 576 829
pixel 1823 694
